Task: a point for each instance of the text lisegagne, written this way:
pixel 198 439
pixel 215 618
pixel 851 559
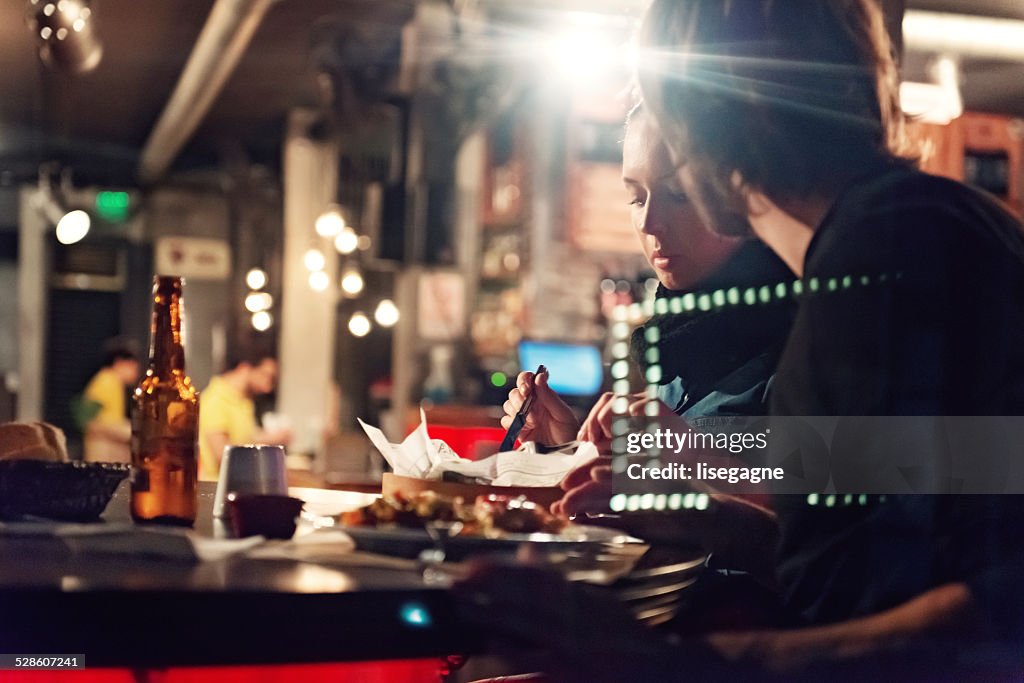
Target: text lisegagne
pixel 701 471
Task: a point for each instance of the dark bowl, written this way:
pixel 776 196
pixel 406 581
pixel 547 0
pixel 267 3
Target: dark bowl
pixel 263 515
pixel 70 491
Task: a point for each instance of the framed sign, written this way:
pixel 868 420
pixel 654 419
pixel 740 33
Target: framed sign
pixel 197 258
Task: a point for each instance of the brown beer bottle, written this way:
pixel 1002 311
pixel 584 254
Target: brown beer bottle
pixel 165 420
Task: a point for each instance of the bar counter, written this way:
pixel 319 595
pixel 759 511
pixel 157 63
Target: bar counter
pixel 127 611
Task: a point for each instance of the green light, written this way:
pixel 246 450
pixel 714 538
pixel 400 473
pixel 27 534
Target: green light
pixel 499 379
pixel 113 206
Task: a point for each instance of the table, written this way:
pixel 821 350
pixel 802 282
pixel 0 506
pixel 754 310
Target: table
pixel 137 612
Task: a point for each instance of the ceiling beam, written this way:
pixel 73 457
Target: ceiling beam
pixel 221 44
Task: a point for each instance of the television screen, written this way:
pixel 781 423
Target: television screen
pixel 573 369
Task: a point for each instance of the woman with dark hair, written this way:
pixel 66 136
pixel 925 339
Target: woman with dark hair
pixel 791 100
pixel 781 116
pixel 713 363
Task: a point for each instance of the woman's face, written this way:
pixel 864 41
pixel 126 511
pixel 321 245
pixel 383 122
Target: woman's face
pixel 678 246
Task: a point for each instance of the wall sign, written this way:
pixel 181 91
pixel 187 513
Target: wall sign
pixel 193 257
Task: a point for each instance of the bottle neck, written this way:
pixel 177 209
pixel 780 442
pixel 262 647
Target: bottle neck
pixel 167 350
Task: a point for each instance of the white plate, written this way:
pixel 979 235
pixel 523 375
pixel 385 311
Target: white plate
pixel 405 542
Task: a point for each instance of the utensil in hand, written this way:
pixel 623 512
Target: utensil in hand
pixel 520 419
pixel 258 469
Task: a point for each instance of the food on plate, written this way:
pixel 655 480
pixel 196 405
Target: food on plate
pixel 32 441
pixel 515 515
pixel 491 516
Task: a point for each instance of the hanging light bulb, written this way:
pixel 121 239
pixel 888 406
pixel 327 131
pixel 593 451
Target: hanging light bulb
pixel 330 222
pixel 258 301
pixel 352 282
pixel 386 314
pixel 256 278
pixel 262 321
pixel 359 324
pixel 314 260
pixel 73 226
pixel 347 241
pixel 319 281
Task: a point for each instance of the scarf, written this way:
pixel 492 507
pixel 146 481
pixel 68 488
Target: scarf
pixel 703 347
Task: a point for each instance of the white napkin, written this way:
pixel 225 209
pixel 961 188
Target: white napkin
pixel 306 545
pixel 327 547
pixel 421 457
pixel 169 544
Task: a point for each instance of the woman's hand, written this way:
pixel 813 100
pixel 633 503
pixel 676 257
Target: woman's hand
pixel 588 488
pixel 922 627
pixel 740 533
pixel 550 421
pixel 597 428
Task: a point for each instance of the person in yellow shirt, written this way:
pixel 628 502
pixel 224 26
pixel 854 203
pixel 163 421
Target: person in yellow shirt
pixel 227 413
pixel 103 412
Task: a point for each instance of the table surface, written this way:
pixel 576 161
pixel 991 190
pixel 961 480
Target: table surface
pixel 134 611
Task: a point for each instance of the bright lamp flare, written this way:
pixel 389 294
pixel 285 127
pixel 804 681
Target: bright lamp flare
pixel 359 324
pixel 581 53
pixel 347 241
pixel 314 260
pixel 262 321
pixel 386 314
pixel 352 282
pixel 319 281
pixel 330 223
pixel 256 278
pixel 73 226
pixel 258 301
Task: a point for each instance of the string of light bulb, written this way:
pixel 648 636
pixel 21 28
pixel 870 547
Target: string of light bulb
pixel 348 243
pixel 258 302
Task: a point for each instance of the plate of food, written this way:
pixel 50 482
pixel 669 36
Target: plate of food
pixel 406 526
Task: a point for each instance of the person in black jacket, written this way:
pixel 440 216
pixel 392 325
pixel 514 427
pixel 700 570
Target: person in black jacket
pixel 914 290
pixel 782 116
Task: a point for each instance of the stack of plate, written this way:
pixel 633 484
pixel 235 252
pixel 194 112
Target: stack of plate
pixel 650 582
pixel 587 540
pixel 655 589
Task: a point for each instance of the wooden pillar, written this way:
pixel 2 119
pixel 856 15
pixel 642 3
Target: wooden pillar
pixel 33 270
pixel 308 318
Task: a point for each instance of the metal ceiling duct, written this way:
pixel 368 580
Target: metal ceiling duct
pixel 221 44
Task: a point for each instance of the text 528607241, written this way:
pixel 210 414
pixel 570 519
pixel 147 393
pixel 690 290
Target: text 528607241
pixel 39 661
